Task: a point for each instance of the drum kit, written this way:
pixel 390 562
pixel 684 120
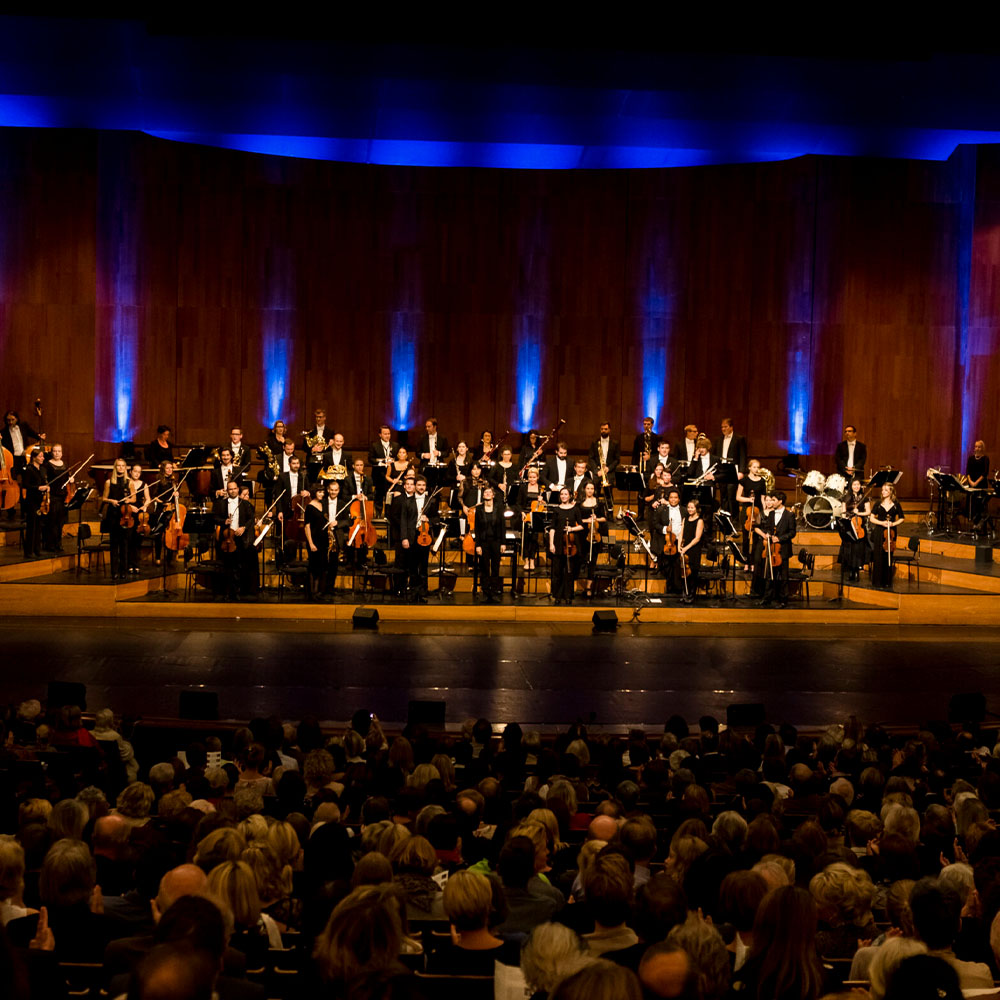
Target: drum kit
pixel 827 499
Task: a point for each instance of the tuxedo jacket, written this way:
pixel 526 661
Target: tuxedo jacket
pixel 552 470
pixel 737 450
pixel 220 511
pixel 312 432
pixel 860 458
pixel 613 460
pixel 28 435
pixel 284 482
pixel 241 458
pixel 425 445
pixel 694 470
pixel 670 465
pixel 785 532
pixel 376 453
pixel 218 484
pixel 350 486
pixel 639 443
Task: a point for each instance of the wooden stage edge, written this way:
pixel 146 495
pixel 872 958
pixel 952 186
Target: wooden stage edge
pixel 119 603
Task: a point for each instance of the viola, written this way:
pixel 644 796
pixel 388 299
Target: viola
pixel 775 555
pixel 127 516
pixel 424 536
pixel 10 492
pixel 670 543
pixel 889 539
pixel 227 539
pixel 859 526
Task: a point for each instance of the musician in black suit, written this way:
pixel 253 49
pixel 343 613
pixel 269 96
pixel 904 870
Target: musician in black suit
pixel 320 429
pixel 383 450
pixel 402 516
pixel 581 476
pixel 491 530
pixel 778 525
pixel 227 468
pixel 644 442
pixel 605 455
pixel 731 447
pixel 851 454
pixel 16 437
pixel 700 468
pixel 160 449
pixel 233 512
pixel 685 449
pixel 357 482
pixel 558 468
pixel 432 447
pixel 241 452
pixel 421 508
pixel 293 483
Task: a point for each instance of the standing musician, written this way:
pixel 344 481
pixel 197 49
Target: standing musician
pixel 16 437
pixel 731 447
pixel 472 493
pixel 271 452
pixel 403 529
pixel 228 468
pixel 162 492
pixel 700 468
pixel 56 475
pixel 854 549
pixel 668 519
pixel 885 515
pixel 645 443
pixel 336 456
pixel 529 493
pixel 432 446
pixel 557 468
pixel 234 514
pixel 34 489
pixel 317 541
pixel 486 449
pixel 358 484
pixel 690 550
pixel 240 452
pixel 277 436
pixel 491 530
pixel 400 468
pixel 529 445
pixel 141 503
pixel 457 473
pixel 659 459
pixel 426 513
pixel 778 526
pixel 594 518
pixel 294 484
pixel 336 508
pixel 851 454
pixel 380 456
pixel 160 449
pixel 320 435
pixel 286 455
pixel 504 477
pixel 113 498
pixel 750 491
pixel 565 526
pixel 977 471
pixel 757 550
pixel 605 457
pixel 581 475
pixel 687 448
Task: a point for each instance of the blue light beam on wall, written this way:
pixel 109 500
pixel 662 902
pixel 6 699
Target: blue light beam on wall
pixel 799 392
pixel 528 370
pixel 403 345
pixel 277 330
pixel 654 345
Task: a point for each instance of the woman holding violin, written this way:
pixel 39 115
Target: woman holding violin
pixel 138 525
pixel 750 493
pixel 853 536
pixel 885 518
pixel 594 518
pixel 531 500
pixel 457 472
pixel 34 505
pixel 114 517
pixel 690 550
pixel 58 477
pixel 565 534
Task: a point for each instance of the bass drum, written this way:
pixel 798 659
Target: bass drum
pixel 820 511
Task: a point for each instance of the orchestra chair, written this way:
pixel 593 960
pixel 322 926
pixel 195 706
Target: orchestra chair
pixel 87 545
pixel 803 573
pixel 910 556
pixel 714 573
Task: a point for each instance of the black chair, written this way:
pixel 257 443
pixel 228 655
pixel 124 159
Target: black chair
pixel 714 573
pixel 87 545
pixel 910 556
pixel 803 573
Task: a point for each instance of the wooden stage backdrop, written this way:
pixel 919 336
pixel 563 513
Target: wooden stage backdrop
pixel 143 281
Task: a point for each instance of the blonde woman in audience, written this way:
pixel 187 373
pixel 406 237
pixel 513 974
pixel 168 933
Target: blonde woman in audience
pixel 12 880
pixel 887 959
pixel 552 953
pixel 584 862
pixel 234 883
pixel 413 862
pixel 274 885
pixel 135 802
pixel 224 844
pixel 843 897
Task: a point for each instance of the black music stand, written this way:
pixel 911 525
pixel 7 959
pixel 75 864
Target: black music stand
pixel 629 481
pixel 634 529
pixel 738 557
pixel 947 484
pixel 726 475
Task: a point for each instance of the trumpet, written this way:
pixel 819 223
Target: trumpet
pixel 703 476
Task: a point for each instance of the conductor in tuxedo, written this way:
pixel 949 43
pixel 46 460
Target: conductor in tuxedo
pixel 851 454
pixel 778 525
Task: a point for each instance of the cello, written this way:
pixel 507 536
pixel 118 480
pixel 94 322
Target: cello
pixel 10 492
pixel 424 536
pixel 174 537
pixel 363 531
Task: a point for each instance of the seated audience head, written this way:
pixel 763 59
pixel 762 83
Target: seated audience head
pixel 184 880
pixel 707 954
pixel 516 864
pixel 740 895
pixel 11 867
pixel 608 889
pixel 372 869
pixel 886 960
pixel 666 970
pixel 936 911
pixel 923 977
pixel 174 972
pixel 68 875
pixel 553 952
pixel 600 980
pixel 659 907
pixel 67 819
pixel 843 894
pixel 784 944
pixel 224 844
pixel 468 900
pixel 233 882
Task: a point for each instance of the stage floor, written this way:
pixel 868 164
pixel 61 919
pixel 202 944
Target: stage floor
pixel 540 674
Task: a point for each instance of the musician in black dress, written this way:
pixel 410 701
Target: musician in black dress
pixel 504 477
pixel 35 487
pixel 885 515
pixel 58 477
pixel 751 489
pixel 690 550
pixel 473 487
pixel 160 449
pixel 644 445
pixel 142 505
pixel 529 445
pixel 594 518
pixel 115 492
pixel 565 566
pixel 457 472
pixel 854 543
pixel 317 540
pixel 491 530
pixel 977 471
pixel 531 492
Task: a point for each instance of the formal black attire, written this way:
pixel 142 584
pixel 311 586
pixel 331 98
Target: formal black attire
pixel 241 565
pixel 704 494
pixel 853 551
pixel 32 479
pixel 377 453
pixel 472 492
pixel 111 524
pixel 639 446
pixel 290 490
pixel 316 521
pixel 978 469
pixel 882 572
pixel 451 474
pixel 156 453
pixel 491 530
pixel 220 478
pixel 527 452
pixel 737 454
pixel 693 554
pixel 421 554
pixel 317 460
pixel 565 570
pixel 577 483
pixel 506 478
pixel 28 436
pixel 613 460
pixel 757 488
pixel 337 510
pixel 525 498
pixel 661 521
pixel 241 455
pixel 588 556
pixel 57 476
pixel 351 487
pixel 557 470
pixel 860 457
pixel 776 578
pixel 424 445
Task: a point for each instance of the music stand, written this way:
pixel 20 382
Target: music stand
pixel 893 476
pixel 738 556
pixel 634 529
pixel 725 476
pixel 629 481
pixel 947 484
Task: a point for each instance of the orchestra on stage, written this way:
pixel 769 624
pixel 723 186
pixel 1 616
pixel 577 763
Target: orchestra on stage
pixel 677 511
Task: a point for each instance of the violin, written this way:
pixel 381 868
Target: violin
pixel 858 522
pixel 752 518
pixel 10 492
pixel 227 538
pixel 469 540
pixel 889 539
pixel 670 543
pixel 424 536
pixel 569 543
pixel 127 517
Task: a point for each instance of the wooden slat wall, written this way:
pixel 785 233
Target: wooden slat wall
pixel 726 270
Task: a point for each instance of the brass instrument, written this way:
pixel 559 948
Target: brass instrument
pixel 213 455
pixel 337 472
pixel 272 462
pixel 647 437
pixel 313 440
pixel 768 476
pixel 704 476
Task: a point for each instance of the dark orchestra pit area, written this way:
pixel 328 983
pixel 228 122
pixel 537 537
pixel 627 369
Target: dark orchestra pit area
pixel 542 674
